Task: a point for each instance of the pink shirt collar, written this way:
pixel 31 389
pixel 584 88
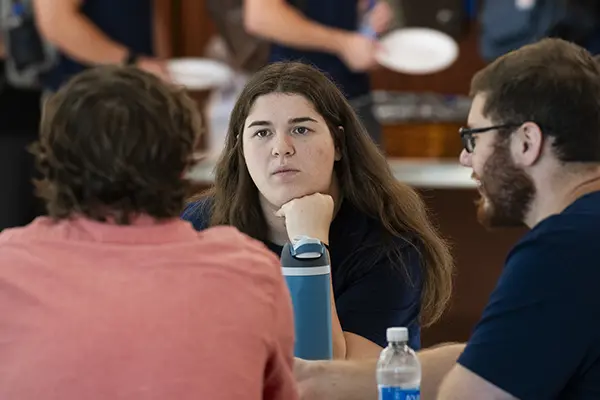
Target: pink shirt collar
pixel 142 230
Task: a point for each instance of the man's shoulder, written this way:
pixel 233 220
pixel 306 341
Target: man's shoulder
pixel 37 229
pixel 558 254
pixel 560 236
pixel 577 225
pixel 226 244
pixel 230 236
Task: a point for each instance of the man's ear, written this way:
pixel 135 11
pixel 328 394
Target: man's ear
pixel 528 144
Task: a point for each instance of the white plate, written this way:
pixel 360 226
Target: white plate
pixel 200 73
pixel 417 51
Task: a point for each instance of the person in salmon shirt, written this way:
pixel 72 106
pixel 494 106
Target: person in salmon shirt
pixel 112 296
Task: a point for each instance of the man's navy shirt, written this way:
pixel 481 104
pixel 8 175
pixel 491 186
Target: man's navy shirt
pixel 539 337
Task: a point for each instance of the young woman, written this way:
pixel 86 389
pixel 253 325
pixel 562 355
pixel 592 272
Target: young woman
pixel 297 162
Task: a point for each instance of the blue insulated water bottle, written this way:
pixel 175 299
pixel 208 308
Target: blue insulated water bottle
pixel 306 268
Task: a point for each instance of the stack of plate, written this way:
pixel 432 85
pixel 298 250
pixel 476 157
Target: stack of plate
pixel 200 73
pixel 417 51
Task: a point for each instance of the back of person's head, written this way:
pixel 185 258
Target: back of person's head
pixel 115 142
pixel 364 177
pixel 553 83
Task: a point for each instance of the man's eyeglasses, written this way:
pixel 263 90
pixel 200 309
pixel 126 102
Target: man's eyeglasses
pixel 467 135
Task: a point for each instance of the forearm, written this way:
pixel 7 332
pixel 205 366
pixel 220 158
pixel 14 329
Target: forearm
pixel 75 35
pixel 337 380
pixel 279 22
pixel 436 363
pixel 339 341
pixel 350 346
pixel 349 380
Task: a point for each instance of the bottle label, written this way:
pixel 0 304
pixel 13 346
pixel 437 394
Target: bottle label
pixel 396 393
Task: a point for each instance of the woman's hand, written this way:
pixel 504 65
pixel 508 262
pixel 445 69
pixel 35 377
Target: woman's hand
pixel 308 216
pixel 307 379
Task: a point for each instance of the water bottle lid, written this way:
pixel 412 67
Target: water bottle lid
pixel 397 334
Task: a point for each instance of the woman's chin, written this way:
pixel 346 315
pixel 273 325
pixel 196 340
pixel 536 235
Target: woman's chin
pixel 282 198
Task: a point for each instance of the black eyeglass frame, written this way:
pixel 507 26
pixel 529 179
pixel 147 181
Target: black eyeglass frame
pixel 467 134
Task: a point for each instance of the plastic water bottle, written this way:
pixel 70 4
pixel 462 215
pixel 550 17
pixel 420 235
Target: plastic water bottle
pixel 398 369
pixel 306 268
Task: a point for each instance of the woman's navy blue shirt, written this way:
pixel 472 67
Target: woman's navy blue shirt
pixel 373 289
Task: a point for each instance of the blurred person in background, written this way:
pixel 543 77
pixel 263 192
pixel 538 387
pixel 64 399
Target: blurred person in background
pixel 19 119
pixel 325 33
pixel 94 32
pixel 86 33
pixel 113 296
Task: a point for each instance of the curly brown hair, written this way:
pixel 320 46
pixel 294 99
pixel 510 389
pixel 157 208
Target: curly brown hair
pixel 363 173
pixel 115 142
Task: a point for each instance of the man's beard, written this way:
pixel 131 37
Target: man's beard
pixel 506 191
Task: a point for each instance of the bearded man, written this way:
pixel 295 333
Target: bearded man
pixel 533 144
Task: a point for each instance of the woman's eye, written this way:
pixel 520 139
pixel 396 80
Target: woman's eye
pixel 261 134
pixel 301 130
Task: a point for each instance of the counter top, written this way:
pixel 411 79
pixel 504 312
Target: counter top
pixel 433 174
pixel 419 173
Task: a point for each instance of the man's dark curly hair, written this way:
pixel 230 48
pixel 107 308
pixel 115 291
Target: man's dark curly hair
pixel 115 143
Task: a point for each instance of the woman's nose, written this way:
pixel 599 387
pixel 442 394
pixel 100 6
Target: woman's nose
pixel 283 145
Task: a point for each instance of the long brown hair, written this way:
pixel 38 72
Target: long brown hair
pixel 363 173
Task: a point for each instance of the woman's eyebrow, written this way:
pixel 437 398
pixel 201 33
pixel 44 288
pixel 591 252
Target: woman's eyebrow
pixel 301 119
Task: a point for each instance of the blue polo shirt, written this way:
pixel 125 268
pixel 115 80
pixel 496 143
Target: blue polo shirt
pixel 341 14
pixel 372 290
pixel 539 336
pixel 129 22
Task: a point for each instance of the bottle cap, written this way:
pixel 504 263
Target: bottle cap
pixel 397 334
